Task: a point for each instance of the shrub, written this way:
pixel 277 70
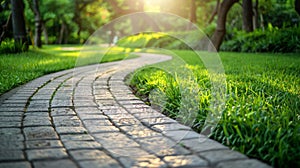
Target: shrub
pixel 274 40
pixel 9 46
pixel 155 40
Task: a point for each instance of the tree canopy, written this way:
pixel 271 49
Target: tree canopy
pixel 73 21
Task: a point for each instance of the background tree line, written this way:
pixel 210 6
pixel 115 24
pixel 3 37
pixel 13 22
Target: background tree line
pixel 73 21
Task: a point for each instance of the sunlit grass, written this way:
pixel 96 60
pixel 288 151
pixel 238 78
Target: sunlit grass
pixel 17 69
pixel 262 110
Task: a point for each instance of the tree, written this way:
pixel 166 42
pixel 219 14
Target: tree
pixel 220 31
pixel 18 23
pixel 34 5
pixel 80 5
pixel 193 14
pixel 247 15
pixel 255 15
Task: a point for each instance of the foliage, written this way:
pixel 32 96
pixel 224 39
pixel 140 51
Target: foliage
pixel 271 40
pixel 280 13
pixel 152 40
pixel 261 116
pixel 9 46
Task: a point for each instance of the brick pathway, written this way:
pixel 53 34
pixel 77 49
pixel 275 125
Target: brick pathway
pixel 89 118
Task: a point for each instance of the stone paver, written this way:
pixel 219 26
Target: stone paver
pixel 87 117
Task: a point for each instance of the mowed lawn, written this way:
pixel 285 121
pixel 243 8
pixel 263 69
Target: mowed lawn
pixel 261 117
pixel 17 69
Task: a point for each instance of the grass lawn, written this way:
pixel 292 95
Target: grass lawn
pixel 17 69
pixel 262 110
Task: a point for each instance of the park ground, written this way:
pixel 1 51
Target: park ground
pixel 261 117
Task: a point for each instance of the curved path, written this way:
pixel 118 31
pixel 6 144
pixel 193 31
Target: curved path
pixel 89 118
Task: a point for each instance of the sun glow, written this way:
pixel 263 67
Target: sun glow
pixel 152 6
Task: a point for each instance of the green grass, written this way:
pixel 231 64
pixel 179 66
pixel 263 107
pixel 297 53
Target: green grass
pixel 17 69
pixel 262 109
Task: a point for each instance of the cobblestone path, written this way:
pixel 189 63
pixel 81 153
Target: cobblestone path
pixel 89 118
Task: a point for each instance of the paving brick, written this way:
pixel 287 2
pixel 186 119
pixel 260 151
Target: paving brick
pixel 36 133
pixel 127 151
pixel 11 155
pixel 19 101
pixel 42 144
pixel 15 104
pixel 71 130
pixel 84 116
pixel 63 163
pixel 185 161
pixel 139 131
pixel 90 154
pixel 72 145
pixel 157 120
pixel 83 103
pixel 9 131
pixel 12 137
pixel 69 121
pixel 143 161
pixel 162 146
pixel 113 110
pixel 202 144
pixel 106 102
pixel 102 129
pixel 109 163
pixel 89 123
pixel 88 110
pixel 10 124
pixel 61 103
pixel 42 107
pixel 39 154
pixel 21 164
pixel 147 113
pixel 37 107
pixel 251 163
pixel 76 137
pixel 36 121
pixel 62 112
pixel 41 114
pixel 9 114
pixel 11 145
pixel 170 127
pixel 12 109
pixel 112 139
pixel 125 121
pixel 221 155
pixel 179 135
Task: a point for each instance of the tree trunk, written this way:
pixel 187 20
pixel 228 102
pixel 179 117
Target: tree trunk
pixel 61 33
pixel 255 15
pixel 18 23
pixel 38 24
pixel 193 14
pixel 215 12
pixel 262 25
pixel 6 27
pixel 297 6
pixel 45 33
pixel 220 31
pixel 66 35
pixel 247 15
